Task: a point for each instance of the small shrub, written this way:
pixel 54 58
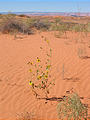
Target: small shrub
pixel 79 28
pixel 12 24
pixel 72 107
pixel 57 21
pixel 88 27
pixel 41 25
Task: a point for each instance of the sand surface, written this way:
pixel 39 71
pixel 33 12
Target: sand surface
pixel 15 93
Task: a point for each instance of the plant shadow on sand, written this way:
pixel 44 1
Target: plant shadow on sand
pixel 85 57
pixel 73 79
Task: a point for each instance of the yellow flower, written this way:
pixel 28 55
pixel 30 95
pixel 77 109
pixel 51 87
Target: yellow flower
pixel 38 60
pixel 30 70
pixel 30 83
pixel 31 63
pixel 46 76
pixel 39 77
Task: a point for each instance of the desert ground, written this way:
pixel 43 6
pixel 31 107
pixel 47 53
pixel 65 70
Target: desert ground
pixel 16 97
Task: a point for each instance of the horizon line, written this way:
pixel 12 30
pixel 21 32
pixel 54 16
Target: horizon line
pixel 39 12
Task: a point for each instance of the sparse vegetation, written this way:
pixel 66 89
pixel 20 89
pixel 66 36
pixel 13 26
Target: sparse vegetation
pixel 81 52
pixel 88 27
pixel 72 108
pixel 41 25
pixel 25 116
pixel 11 24
pixel 40 79
pixel 25 24
pixel 40 69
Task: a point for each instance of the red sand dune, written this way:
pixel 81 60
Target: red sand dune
pixel 15 93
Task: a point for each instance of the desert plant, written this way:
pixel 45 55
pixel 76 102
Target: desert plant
pixel 77 28
pixel 57 21
pixel 80 28
pixel 72 108
pixel 25 116
pixel 61 27
pixel 41 25
pixel 40 78
pixel 12 24
pixel 81 52
pixel 88 27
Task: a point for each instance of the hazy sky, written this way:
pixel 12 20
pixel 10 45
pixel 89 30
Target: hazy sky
pixel 45 5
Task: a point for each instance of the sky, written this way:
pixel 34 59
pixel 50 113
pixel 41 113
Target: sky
pixel 44 5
